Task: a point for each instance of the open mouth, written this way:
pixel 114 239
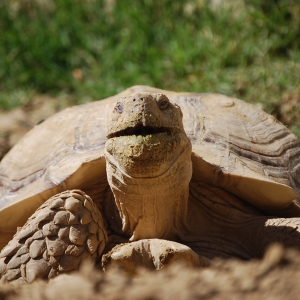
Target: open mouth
pixel 139 129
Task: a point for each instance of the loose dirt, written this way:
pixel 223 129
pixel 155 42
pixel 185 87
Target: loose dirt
pixel 274 277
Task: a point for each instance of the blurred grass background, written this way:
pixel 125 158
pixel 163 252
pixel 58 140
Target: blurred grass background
pixel 84 50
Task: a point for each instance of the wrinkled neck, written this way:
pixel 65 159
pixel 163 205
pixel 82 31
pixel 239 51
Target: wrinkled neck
pixel 152 207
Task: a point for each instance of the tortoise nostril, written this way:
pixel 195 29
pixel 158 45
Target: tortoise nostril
pixel 138 99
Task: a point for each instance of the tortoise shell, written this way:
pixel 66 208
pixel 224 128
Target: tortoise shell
pixel 236 146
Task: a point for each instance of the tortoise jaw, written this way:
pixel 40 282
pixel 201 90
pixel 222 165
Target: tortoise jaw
pixel 139 129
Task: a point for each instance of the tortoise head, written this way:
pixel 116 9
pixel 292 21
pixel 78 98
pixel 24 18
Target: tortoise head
pixel 145 134
pixel 148 163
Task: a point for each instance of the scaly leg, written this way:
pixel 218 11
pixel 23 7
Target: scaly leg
pixel 65 230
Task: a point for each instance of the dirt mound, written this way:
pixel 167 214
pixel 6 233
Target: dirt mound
pixel 274 277
pixel 15 123
pixel 288 111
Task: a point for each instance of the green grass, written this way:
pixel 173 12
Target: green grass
pixel 92 49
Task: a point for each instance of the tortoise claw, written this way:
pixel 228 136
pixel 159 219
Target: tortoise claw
pixel 153 254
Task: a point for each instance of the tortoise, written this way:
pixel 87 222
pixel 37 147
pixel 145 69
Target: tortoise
pixel 147 178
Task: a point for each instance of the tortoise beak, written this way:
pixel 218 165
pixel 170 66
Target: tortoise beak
pixel 139 129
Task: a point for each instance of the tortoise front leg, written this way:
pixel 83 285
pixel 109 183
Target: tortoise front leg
pixel 280 230
pixel 246 238
pixel 65 230
pixel 153 254
pixel 258 233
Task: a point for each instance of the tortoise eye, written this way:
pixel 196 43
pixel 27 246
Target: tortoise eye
pixel 163 104
pixel 119 108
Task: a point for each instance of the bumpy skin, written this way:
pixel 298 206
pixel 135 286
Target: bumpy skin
pixel 65 230
pixel 165 207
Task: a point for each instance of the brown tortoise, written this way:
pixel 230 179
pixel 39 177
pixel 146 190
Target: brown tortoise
pixel 146 178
